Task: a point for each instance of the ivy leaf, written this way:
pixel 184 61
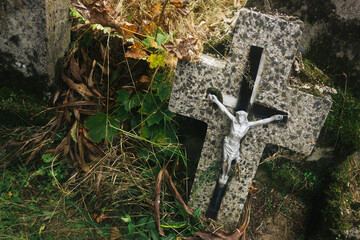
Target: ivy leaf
pixel 156 60
pixel 155 118
pixel 122 113
pixel 162 37
pixel 135 100
pixel 149 105
pixel 122 96
pixel 162 86
pixel 128 103
pixel 100 128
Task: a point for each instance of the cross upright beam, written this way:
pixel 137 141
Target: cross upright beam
pixel 279 40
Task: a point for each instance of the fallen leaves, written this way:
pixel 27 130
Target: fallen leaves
pixel 144 26
pixel 135 51
pixel 156 60
pixel 238 234
pixel 185 49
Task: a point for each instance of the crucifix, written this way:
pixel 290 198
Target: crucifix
pixel 253 78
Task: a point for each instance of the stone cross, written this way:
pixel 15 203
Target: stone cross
pixel 278 41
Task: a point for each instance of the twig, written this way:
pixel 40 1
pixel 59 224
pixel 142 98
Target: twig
pixel 176 193
pixel 342 110
pixel 157 202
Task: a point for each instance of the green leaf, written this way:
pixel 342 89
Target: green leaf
pixel 174 225
pixel 122 96
pixel 100 127
pixel 131 229
pixel 150 104
pixel 144 235
pixel 126 219
pixel 197 214
pixel 75 14
pixel 135 100
pixel 145 132
pixel 42 228
pixel 155 118
pixel 154 234
pixel 162 37
pixel 143 220
pixel 122 113
pixel 47 157
pixel 73 131
pixel 162 85
pixel 156 60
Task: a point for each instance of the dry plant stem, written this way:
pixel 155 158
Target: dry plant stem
pixel 342 110
pixel 176 193
pixel 157 202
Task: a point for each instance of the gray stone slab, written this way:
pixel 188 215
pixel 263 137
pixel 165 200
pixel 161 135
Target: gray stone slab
pixel 306 113
pixel 33 35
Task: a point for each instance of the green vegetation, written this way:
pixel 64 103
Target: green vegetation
pixel 21 109
pixel 294 177
pixel 100 184
pixel 343 204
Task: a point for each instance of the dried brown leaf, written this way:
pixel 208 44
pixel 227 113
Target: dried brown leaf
pixel 100 218
pixel 187 49
pixel 149 27
pixel 76 113
pixel 78 87
pixel 74 69
pixel 114 233
pixel 144 79
pixel 85 57
pixel 103 12
pixel 238 234
pixel 81 160
pixel 89 80
pixel 126 29
pixel 89 112
pixel 179 3
pixel 135 51
pixel 34 153
pixel 81 8
pixel 156 10
pixel 56 96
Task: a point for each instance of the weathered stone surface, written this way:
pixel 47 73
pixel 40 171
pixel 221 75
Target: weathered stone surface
pixel 347 9
pixel 33 35
pixel 331 32
pixel 306 113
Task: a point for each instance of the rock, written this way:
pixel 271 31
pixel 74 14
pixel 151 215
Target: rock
pixel 33 36
pixel 347 9
pixel 331 32
pixel 320 152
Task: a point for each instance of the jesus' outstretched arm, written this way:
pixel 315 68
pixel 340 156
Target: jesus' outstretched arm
pixel 223 109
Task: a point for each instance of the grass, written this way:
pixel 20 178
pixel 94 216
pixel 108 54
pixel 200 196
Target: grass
pixel 54 198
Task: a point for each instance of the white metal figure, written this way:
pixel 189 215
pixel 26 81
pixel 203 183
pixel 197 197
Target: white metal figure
pixel 239 127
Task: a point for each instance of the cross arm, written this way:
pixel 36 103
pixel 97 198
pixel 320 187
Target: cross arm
pixel 222 108
pixel 266 120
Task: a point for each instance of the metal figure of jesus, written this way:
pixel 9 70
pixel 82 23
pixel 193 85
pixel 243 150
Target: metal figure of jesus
pixel 239 127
